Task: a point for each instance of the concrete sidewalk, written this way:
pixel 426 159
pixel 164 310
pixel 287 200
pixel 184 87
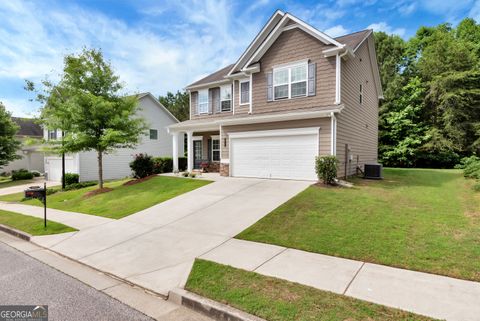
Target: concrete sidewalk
pixel 72 219
pixel 21 188
pixel 155 248
pixel 427 294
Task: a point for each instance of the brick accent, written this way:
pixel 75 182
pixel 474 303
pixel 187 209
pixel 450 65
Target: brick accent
pixel 224 169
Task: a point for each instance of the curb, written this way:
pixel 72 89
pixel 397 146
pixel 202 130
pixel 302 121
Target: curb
pixel 210 308
pixel 20 234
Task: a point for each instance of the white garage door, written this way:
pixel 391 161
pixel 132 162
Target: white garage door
pixel 284 154
pixel 53 167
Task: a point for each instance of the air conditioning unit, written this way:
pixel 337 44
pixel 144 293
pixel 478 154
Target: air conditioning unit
pixel 373 171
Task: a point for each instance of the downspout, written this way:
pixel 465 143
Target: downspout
pixel 338 77
pixel 333 134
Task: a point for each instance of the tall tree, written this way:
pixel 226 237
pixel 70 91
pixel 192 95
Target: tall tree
pixel 88 104
pixel 178 104
pixel 8 143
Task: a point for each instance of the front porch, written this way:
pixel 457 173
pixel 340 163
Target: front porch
pixel 203 150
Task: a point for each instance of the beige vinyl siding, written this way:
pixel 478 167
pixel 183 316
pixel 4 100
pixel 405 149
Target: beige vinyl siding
pixel 214 93
pixel 357 124
pixel 323 123
pixel 291 46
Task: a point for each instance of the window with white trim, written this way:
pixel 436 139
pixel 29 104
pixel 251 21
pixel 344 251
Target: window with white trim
pixel 153 134
pixel 203 101
pixel 216 150
pixel 244 92
pixel 52 134
pixel 226 97
pixel 289 82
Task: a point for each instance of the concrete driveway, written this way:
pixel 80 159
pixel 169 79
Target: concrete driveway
pixel 21 188
pixel 155 248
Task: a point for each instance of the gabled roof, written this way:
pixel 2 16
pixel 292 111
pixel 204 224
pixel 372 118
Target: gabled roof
pixel 353 40
pixel 28 127
pixel 217 76
pixel 149 94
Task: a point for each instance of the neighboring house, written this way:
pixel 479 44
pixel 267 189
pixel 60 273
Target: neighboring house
pixel 294 93
pixel 157 142
pixel 32 157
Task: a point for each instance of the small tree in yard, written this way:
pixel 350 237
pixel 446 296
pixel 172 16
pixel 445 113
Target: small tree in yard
pixel 88 105
pixel 8 144
pixel 326 168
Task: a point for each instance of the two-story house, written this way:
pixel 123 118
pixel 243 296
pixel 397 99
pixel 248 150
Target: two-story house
pixel 295 93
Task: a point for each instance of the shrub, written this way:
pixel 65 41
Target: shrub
pixel 163 165
pixel 326 168
pixel 71 178
pixel 142 166
pixel 21 174
pixel 36 173
pixel 51 191
pixel 80 185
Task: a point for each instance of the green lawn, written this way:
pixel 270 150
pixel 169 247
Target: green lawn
pixel 32 225
pixel 274 299
pixel 122 201
pixel 419 219
pixel 7 182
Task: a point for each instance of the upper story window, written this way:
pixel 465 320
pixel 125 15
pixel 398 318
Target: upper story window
pixel 289 82
pixel 226 97
pixel 203 101
pixel 244 92
pixel 153 134
pixel 52 134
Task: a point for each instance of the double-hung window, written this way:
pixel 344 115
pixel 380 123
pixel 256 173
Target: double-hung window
pixel 52 134
pixel 216 150
pixel 153 134
pixel 289 82
pixel 203 101
pixel 244 92
pixel 226 97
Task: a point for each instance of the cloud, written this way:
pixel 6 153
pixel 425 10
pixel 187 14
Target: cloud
pixel 383 26
pixel 475 11
pixel 19 107
pixel 148 54
pixel 336 31
pixel 407 9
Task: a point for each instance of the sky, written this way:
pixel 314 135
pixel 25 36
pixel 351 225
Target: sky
pixel 162 46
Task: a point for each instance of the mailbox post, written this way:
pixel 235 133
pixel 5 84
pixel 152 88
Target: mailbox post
pixel 40 194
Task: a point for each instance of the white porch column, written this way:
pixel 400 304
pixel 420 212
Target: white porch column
pixel 189 151
pixel 175 151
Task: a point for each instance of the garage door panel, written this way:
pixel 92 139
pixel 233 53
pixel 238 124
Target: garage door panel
pixel 288 157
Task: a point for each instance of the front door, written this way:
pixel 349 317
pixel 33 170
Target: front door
pixel 197 154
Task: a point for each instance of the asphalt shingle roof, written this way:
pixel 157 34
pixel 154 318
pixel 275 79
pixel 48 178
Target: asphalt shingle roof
pixel 28 127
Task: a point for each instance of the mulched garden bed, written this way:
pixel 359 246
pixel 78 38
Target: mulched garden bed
pixel 97 191
pixel 138 180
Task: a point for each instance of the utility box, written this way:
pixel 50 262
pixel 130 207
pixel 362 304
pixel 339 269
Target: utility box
pixel 373 171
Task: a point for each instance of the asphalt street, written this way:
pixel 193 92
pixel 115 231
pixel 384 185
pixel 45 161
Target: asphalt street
pixel 26 281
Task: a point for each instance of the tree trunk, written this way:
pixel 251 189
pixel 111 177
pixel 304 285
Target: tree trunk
pixel 100 170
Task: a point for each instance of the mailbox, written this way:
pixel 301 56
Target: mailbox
pixel 36 192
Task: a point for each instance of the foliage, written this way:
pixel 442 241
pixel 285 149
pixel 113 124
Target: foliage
pixel 122 201
pixel 431 112
pixel 417 219
pixel 80 185
pixel 71 178
pixel 32 225
pixel 142 166
pixel 326 168
pixel 87 105
pixel 470 166
pixel 36 173
pixel 280 300
pixel 8 143
pixel 178 104
pixel 163 165
pixel 21 174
